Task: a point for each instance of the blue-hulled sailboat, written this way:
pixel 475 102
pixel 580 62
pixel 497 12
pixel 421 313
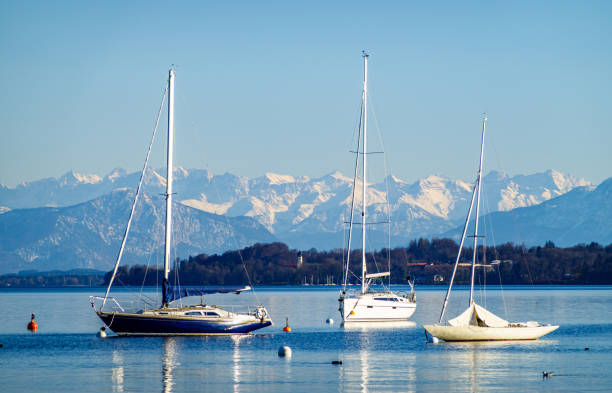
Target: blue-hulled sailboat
pixel 168 319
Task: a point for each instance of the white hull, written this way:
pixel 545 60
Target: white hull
pixel 376 307
pixel 478 333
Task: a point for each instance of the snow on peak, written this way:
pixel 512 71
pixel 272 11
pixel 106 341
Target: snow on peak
pixel 204 205
pixel 434 180
pixel 73 177
pixel 274 178
pixel 565 183
pixel 89 179
pixel 160 179
pixel 180 171
pixel 395 179
pixel 115 174
pixel 339 176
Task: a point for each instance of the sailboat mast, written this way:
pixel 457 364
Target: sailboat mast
pixel 168 240
pixel 363 191
pixel 479 183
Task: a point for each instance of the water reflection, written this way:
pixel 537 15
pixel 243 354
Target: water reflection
pixel 378 364
pixel 236 367
pixel 117 372
pixel 169 363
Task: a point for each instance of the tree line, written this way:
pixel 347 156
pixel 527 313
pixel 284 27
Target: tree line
pixel 425 261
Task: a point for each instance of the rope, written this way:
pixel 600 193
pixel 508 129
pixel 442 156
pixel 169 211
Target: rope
pixel 142 176
pixel 516 229
pixel 352 209
pixel 233 237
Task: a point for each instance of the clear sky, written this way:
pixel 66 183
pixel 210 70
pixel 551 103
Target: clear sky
pixel 275 86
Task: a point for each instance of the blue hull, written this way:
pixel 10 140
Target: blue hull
pixel 145 325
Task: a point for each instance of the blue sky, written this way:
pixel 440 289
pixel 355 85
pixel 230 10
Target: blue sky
pixel 275 86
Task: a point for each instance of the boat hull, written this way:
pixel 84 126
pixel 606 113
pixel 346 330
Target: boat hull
pixel 478 333
pixel 370 307
pixel 126 324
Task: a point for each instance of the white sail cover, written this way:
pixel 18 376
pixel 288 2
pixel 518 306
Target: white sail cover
pixel 476 315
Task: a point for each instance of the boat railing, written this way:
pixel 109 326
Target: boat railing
pixel 138 306
pixel 131 306
pixel 239 309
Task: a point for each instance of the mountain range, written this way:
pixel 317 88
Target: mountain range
pixel 79 219
pixel 89 234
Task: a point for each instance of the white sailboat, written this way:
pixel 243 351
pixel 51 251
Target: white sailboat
pixel 168 319
pixel 368 305
pixel 476 323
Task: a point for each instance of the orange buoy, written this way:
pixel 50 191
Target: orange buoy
pixel 32 326
pixel 287 328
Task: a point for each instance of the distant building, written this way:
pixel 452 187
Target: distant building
pixel 300 259
pixel 438 278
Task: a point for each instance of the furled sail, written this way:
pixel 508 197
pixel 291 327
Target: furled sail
pixel 171 293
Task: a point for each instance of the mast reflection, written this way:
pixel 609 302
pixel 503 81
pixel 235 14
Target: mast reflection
pixel 169 362
pixel 117 372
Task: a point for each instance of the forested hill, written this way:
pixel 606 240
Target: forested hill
pixel 427 261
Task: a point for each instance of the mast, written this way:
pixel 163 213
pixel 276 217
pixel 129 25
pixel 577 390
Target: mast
pixel 479 182
pixel 168 239
pixel 450 285
pixel 363 196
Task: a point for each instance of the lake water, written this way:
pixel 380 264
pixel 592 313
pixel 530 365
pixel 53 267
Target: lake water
pixel 66 355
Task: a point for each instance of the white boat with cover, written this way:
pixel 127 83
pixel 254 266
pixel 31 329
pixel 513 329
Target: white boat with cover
pixel 368 305
pixel 476 323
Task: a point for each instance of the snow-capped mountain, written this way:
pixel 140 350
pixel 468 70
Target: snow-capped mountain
pixel 88 235
pixel 582 215
pixel 310 212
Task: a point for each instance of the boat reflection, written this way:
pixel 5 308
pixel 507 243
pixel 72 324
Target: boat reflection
pixel 117 372
pixel 477 365
pixel 169 363
pixel 378 325
pixel 365 371
pixel 374 366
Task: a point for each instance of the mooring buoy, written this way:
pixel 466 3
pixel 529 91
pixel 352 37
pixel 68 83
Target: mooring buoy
pixel 284 352
pixel 287 328
pixel 102 332
pixel 32 326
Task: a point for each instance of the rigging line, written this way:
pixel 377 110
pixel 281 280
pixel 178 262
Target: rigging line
pixel 142 176
pixel 484 263
pixel 450 284
pixel 513 215
pixel 154 240
pixel 496 254
pixel 387 167
pixel 233 237
pixel 352 209
pixel 493 244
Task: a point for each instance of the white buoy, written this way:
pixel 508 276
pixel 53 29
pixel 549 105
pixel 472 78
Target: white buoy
pixel 102 332
pixel 329 321
pixel 284 352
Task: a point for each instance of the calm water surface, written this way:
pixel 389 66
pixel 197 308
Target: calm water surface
pixel 65 354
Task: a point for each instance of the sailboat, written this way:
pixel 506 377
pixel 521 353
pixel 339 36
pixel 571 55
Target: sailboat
pixel 477 323
pixel 168 319
pixel 367 304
